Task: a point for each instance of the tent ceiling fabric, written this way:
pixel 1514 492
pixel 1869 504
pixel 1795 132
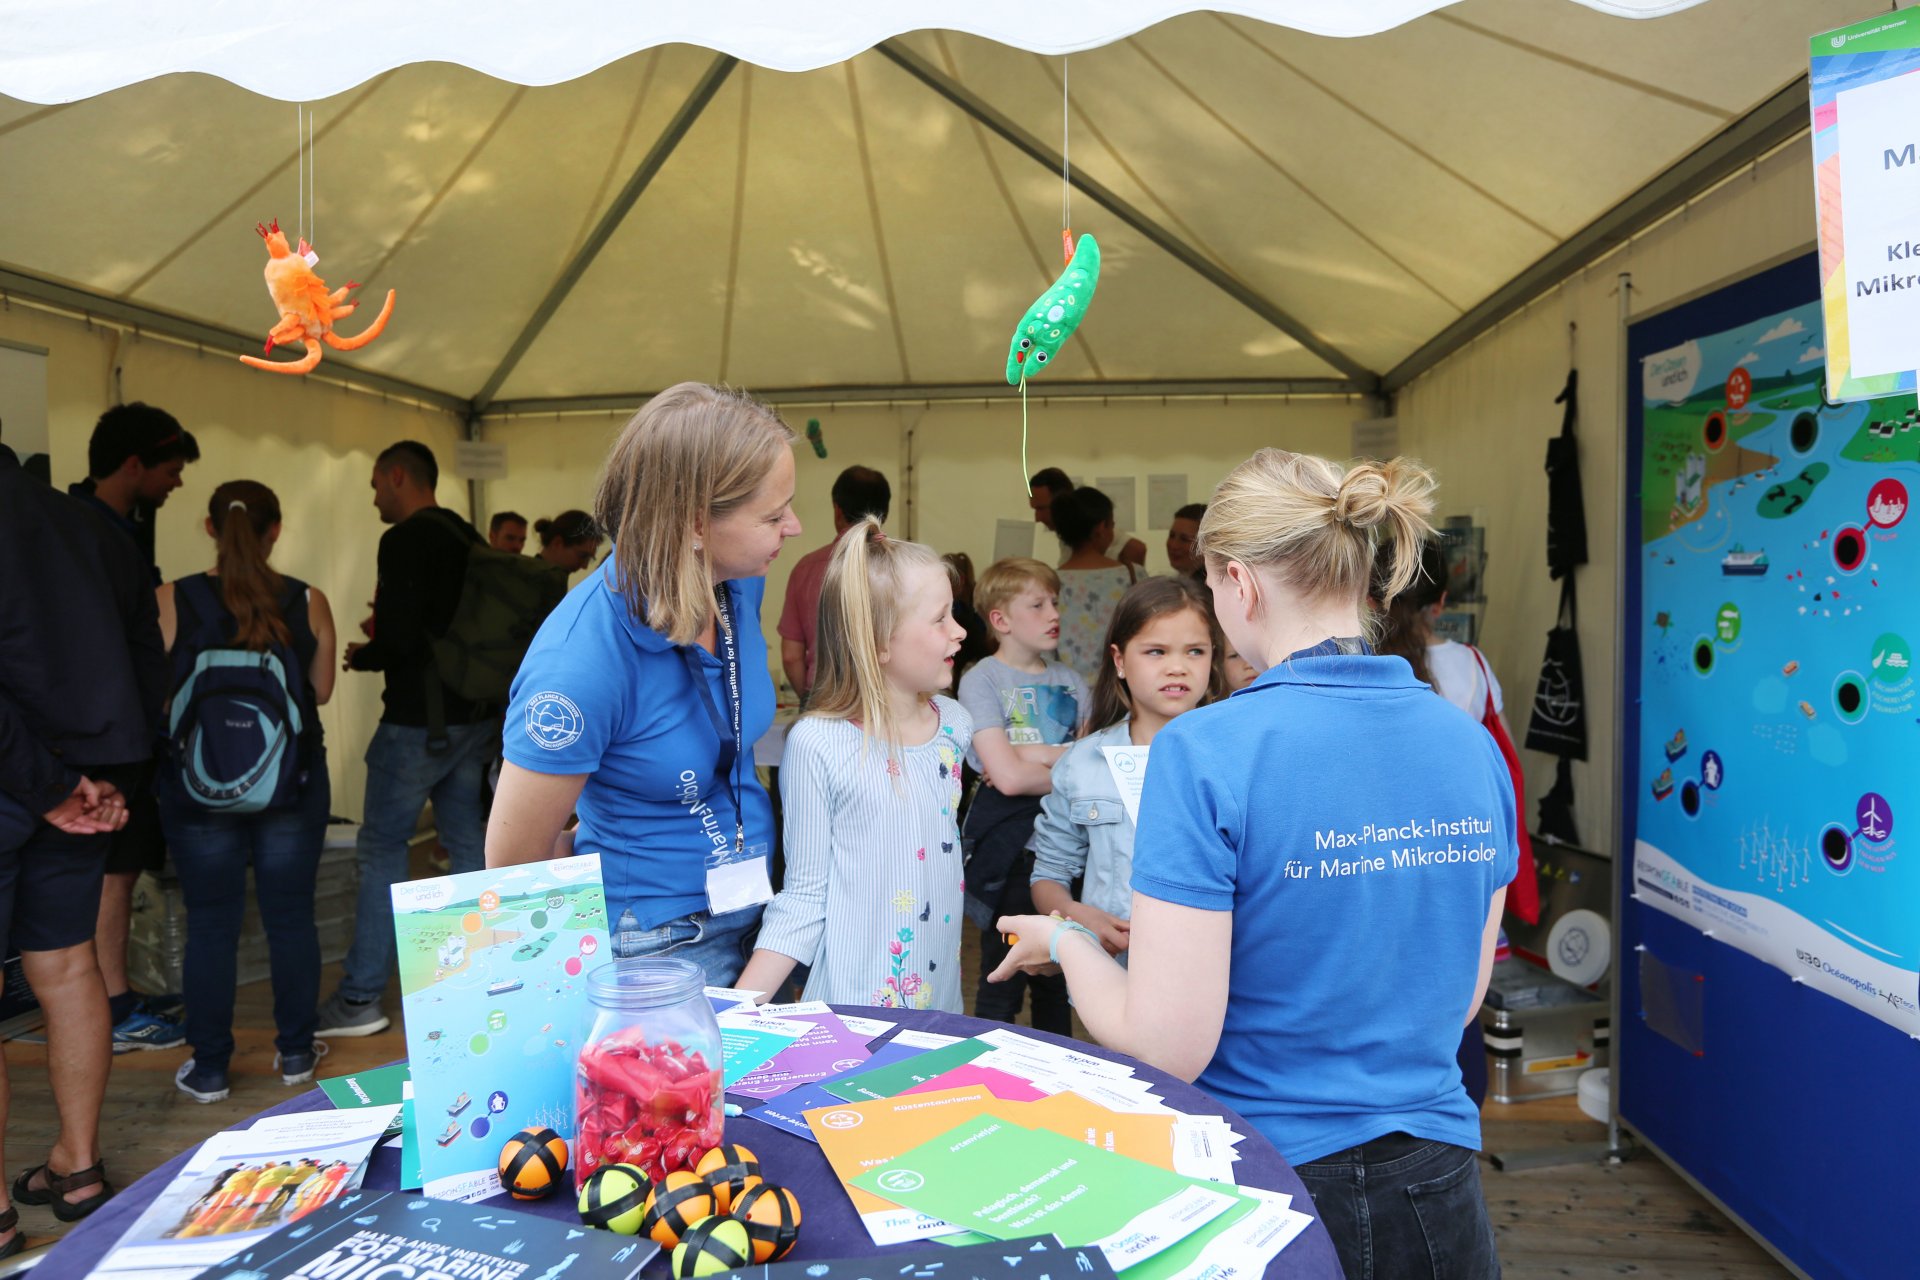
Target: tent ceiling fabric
pixel 849 226
pixel 73 49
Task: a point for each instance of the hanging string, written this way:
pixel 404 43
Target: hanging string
pixel 313 200
pixel 1024 472
pixel 299 169
pixel 1066 163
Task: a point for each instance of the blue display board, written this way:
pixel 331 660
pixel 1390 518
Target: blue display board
pixel 1768 986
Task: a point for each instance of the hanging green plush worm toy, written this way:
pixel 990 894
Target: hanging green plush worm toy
pixel 1051 320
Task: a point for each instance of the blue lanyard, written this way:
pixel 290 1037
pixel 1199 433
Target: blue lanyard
pixel 730 744
pixel 1333 647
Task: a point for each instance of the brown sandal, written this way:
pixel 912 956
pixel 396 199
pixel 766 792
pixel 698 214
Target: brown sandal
pixel 54 1194
pixel 10 1221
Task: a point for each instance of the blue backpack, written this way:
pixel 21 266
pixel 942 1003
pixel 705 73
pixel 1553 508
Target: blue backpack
pixel 240 717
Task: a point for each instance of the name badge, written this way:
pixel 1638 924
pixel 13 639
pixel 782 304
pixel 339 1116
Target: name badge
pixel 1128 765
pixel 738 883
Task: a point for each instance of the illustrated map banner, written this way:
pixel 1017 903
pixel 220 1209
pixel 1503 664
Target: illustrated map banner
pixel 1780 599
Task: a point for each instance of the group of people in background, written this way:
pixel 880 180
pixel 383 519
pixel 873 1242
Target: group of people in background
pixel 104 773
pixel 962 755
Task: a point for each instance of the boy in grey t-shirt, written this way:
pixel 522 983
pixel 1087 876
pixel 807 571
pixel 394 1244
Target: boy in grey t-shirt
pixel 1026 707
pixel 1033 709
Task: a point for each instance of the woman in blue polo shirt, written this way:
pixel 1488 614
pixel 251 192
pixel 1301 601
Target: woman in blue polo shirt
pixel 1318 875
pixel 638 705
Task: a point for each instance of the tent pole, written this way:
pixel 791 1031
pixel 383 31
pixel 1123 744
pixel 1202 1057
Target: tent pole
pixel 92 308
pixel 471 429
pixel 977 107
pixel 1627 511
pixel 670 138
pixel 984 392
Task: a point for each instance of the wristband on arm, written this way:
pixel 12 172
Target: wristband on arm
pixel 1065 927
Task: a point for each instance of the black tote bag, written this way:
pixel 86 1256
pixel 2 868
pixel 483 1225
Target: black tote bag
pixel 1566 508
pixel 1558 725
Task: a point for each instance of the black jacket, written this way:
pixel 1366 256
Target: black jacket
pixel 83 673
pixel 423 564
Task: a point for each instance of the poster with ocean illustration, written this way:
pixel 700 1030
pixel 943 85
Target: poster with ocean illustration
pixel 1780 596
pixel 493 967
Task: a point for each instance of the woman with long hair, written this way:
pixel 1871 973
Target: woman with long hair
pixel 242 609
pixel 1318 877
pixel 639 702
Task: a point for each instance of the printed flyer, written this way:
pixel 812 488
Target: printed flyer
pixel 493 967
pixel 393 1235
pixel 996 1178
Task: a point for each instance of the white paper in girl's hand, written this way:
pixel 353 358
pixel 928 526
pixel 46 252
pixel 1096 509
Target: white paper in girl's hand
pixel 1128 765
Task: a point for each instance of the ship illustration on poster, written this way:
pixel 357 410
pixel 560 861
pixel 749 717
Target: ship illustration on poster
pixel 1772 533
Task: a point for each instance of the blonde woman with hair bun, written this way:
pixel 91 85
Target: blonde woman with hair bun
pixel 1319 871
pixel 869 786
pixel 639 702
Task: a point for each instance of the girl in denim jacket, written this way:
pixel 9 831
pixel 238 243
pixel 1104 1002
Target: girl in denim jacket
pixel 1164 656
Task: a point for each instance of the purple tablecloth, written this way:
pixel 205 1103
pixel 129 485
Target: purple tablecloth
pixel 832 1229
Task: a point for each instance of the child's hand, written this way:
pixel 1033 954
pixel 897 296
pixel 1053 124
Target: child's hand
pixel 1027 935
pixel 1113 932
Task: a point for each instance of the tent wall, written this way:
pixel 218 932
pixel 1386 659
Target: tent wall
pixel 312 443
pixel 1483 417
pixel 955 468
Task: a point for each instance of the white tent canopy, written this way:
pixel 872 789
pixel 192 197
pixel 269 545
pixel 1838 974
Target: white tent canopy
pixel 1276 208
pixel 78 48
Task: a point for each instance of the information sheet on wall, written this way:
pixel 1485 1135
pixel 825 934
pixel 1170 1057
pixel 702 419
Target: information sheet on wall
pixel 1778 716
pixel 1865 98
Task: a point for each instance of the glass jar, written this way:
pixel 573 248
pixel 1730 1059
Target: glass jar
pixel 648 1086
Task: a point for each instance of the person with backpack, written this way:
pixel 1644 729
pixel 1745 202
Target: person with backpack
pixel 244 781
pixel 452 618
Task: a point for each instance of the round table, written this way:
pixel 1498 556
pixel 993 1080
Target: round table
pixel 832 1229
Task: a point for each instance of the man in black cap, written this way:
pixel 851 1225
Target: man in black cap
pixel 82 676
pixel 134 461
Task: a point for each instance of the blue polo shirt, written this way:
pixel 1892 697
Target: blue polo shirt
pixel 1357 827
pixel 603 694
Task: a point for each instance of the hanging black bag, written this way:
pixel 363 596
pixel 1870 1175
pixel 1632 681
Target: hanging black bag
pixel 1558 725
pixel 1566 509
pixel 1556 808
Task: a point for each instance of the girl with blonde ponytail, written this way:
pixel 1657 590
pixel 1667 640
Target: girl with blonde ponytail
pixel 1319 871
pixel 870 783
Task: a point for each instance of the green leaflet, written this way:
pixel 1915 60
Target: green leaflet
pixel 1053 317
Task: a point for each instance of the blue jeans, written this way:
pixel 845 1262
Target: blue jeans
pixel 718 944
pixel 1404 1208
pixel 211 851
pixel 401 776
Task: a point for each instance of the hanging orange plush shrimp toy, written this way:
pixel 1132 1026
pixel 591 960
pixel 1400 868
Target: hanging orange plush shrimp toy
pixel 307 310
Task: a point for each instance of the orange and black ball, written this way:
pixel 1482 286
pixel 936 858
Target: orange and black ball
pixel 729 1169
pixel 677 1202
pixel 532 1161
pixel 772 1215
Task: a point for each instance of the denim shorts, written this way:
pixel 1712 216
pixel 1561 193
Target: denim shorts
pixel 718 944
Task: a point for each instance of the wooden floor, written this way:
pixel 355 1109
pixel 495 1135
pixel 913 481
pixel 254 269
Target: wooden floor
pixel 1579 1220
